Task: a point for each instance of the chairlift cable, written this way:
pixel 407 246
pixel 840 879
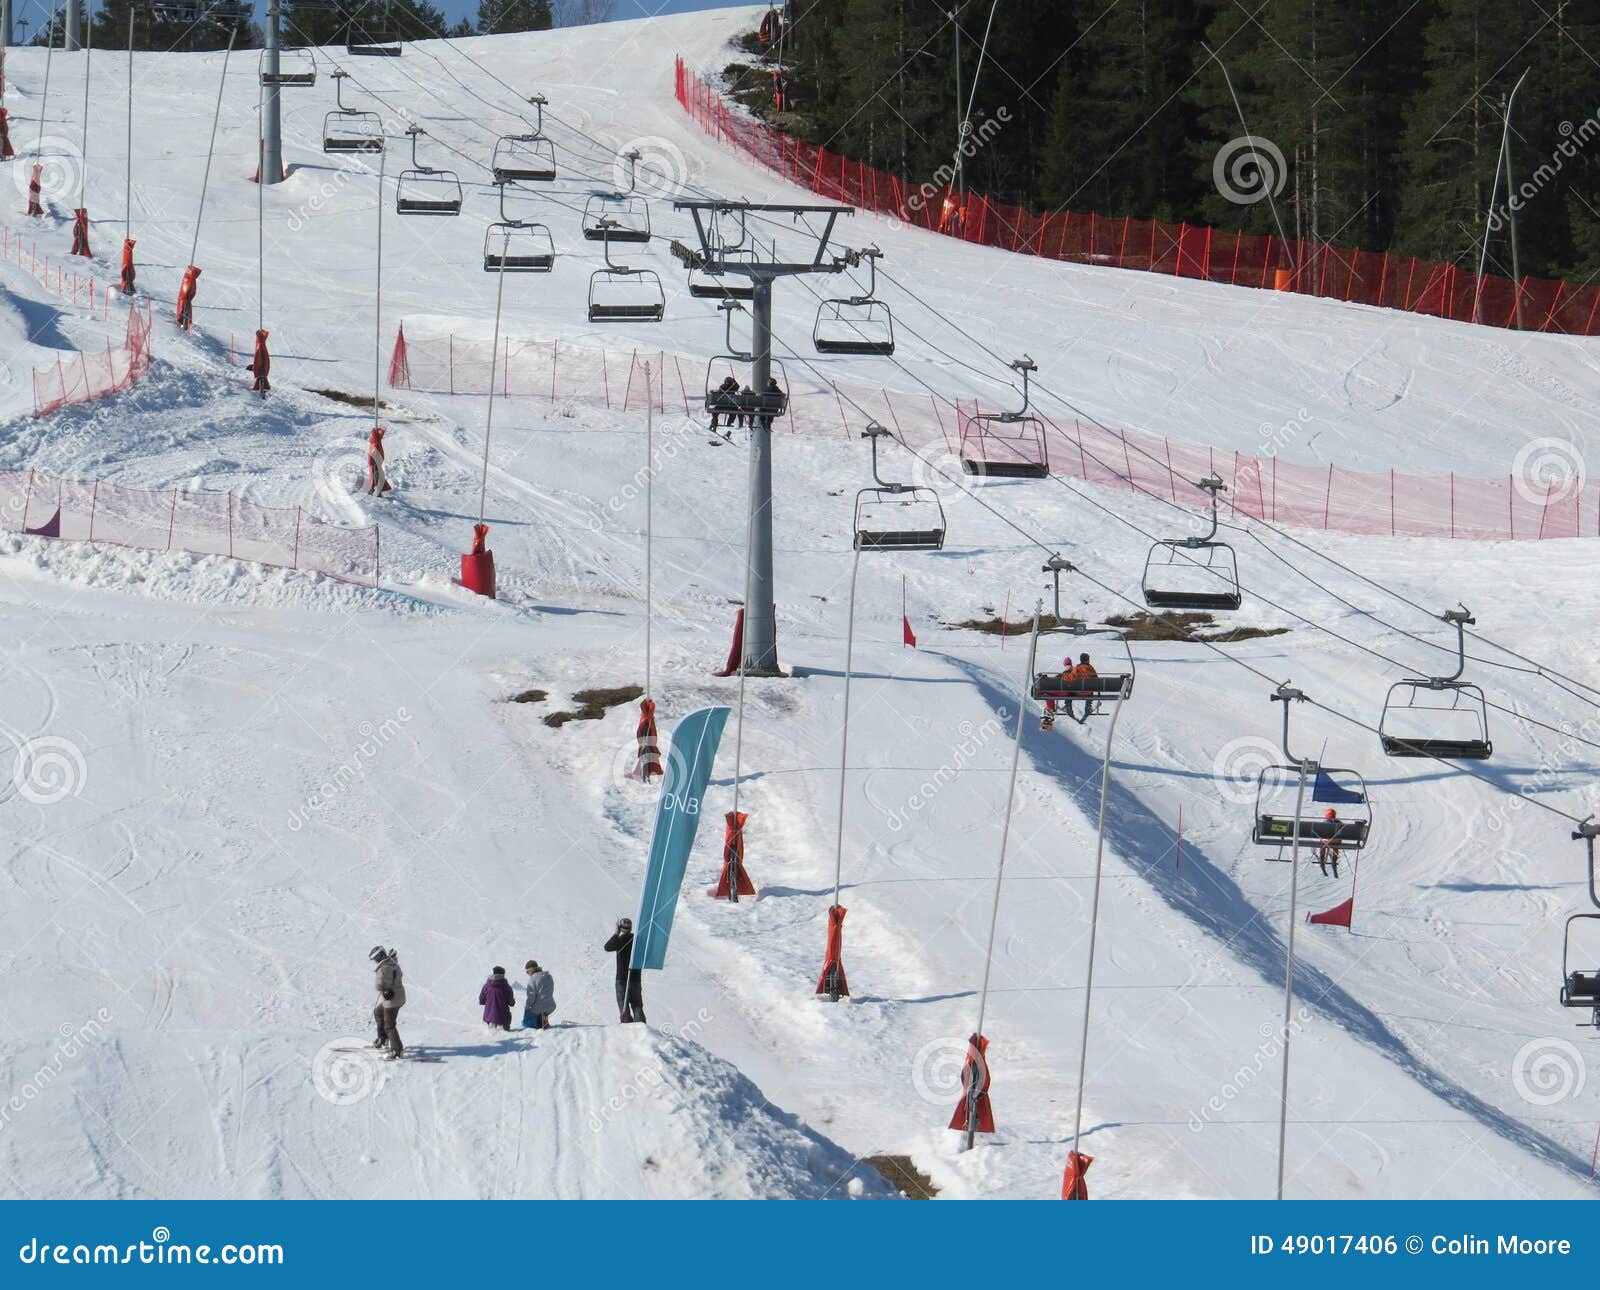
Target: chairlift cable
pixel 205 179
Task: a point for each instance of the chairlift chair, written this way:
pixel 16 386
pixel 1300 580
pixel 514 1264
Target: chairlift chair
pixel 741 400
pixel 893 516
pixel 1193 573
pixel 1287 814
pixel 1580 988
pixel 628 213
pixel 528 157
pixel 348 129
pixel 856 324
pixel 1006 445
pixel 1438 716
pixel 425 190
pixel 297 69
pixel 1094 691
pixel 517 246
pixel 381 40
pixel 618 293
pixel 705 285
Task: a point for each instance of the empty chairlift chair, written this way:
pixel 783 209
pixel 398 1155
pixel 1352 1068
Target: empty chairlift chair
pixel 856 324
pixel 1193 573
pixel 730 383
pixel 618 293
pixel 1006 445
pixel 1438 716
pixel 526 158
pixel 1094 692
pixel 373 35
pixel 619 216
pixel 1324 810
pixel 424 190
pixel 893 516
pixel 517 246
pixel 348 129
pixel 1580 987
pixel 297 69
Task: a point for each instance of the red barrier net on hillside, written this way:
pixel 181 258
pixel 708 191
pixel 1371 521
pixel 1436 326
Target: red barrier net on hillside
pixel 1185 250
pixel 202 523
pixel 1315 497
pixel 85 376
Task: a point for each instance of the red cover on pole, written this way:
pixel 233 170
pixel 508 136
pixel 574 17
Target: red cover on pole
pixel 127 266
pixel 261 364
pixel 186 289
pixel 975 1090
pixel 649 759
pixel 832 981
pixel 1073 1187
pixel 736 651
pixel 907 636
pixel 733 858
pixel 80 233
pixel 1338 916
pixel 35 206
pixel 477 566
pixel 6 150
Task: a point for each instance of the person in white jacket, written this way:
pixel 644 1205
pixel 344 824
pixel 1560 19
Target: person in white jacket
pixel 391 986
pixel 540 1000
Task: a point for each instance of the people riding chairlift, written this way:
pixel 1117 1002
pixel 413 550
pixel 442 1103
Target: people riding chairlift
pixel 1071 674
pixel 725 401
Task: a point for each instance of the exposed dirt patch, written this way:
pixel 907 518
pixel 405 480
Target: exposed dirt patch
pixel 901 1173
pixel 592 704
pixel 531 696
pixel 1142 626
pixel 344 396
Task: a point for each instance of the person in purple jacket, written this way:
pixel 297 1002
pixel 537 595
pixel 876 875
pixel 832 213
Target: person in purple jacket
pixel 497 1000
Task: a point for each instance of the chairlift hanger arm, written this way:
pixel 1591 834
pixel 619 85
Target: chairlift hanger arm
pixel 1588 829
pixel 1287 694
pixel 715 261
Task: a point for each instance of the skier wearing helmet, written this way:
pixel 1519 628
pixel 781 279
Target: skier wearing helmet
pixel 1328 849
pixel 630 985
pixel 390 984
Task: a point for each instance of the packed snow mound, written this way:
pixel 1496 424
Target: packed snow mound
pixel 580 1112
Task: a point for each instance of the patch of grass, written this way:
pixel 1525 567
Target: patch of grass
pixel 344 396
pixel 902 1174
pixel 531 696
pixel 592 704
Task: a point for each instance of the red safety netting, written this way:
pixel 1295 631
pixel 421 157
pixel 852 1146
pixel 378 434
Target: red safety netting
pixel 203 523
pixel 83 377
pixel 1186 250
pixel 1331 498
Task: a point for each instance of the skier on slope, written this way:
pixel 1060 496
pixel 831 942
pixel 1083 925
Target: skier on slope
pixel 390 984
pixel 540 1000
pixel 630 985
pixel 497 1000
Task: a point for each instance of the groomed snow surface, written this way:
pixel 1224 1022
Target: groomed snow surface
pixel 221 784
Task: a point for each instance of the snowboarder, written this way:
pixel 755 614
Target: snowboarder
pixel 377 476
pixel 540 1000
pixel 1328 849
pixel 391 987
pixel 497 1000
pixel 186 290
pixel 630 986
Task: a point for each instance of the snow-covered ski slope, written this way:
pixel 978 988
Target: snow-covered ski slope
pixel 223 784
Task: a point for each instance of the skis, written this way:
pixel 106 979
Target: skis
pixel 410 1054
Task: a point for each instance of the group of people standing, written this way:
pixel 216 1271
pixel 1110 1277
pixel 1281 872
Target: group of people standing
pixel 497 997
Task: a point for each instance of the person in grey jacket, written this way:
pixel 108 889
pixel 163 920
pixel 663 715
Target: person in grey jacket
pixel 391 986
pixel 540 1000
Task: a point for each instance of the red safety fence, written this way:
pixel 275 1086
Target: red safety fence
pixel 1329 498
pixel 85 376
pixel 1183 250
pixel 202 523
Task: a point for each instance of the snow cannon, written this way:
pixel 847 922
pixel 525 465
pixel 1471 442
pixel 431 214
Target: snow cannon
pixel 477 566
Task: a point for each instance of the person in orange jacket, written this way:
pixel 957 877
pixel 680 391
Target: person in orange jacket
pixel 1071 672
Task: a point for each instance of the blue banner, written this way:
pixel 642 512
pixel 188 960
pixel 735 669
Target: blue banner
pixel 689 762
